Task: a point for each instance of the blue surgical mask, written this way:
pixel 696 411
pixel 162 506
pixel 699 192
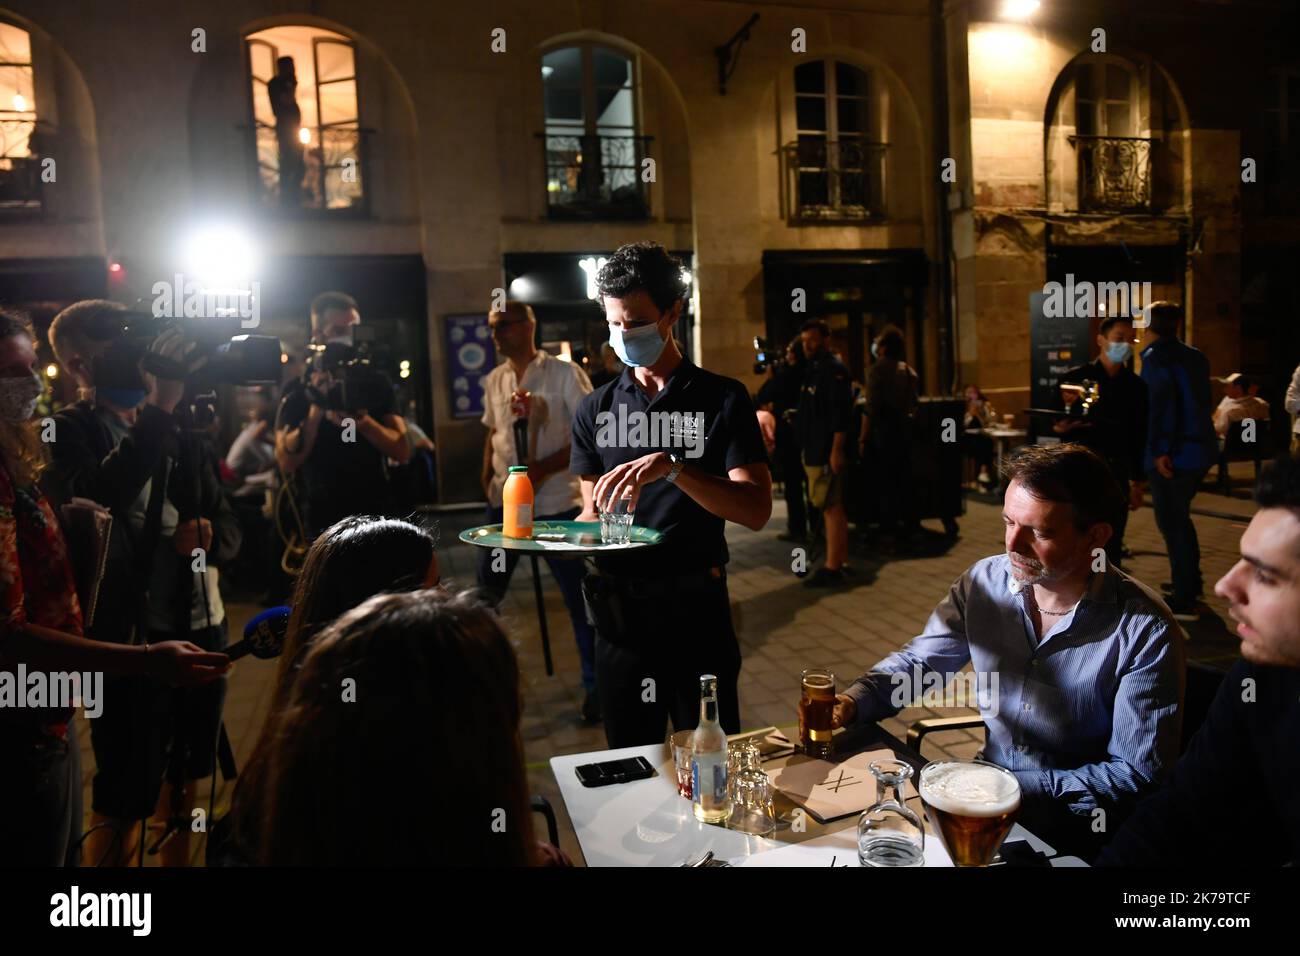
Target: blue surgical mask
pixel 121 397
pixel 637 347
pixel 1119 352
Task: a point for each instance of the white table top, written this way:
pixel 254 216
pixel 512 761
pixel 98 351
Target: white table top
pixel 646 823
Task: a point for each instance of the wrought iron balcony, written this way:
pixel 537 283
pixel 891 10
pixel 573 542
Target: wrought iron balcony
pixel 20 174
pixel 1114 173
pixel 828 180
pixel 331 177
pixel 595 176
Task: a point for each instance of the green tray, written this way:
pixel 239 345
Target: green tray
pixel 570 537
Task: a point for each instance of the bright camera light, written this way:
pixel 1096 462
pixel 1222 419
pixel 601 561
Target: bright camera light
pixel 1019 9
pixel 51 371
pixel 219 256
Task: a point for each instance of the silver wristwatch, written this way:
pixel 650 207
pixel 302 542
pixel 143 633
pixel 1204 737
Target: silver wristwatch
pixel 678 464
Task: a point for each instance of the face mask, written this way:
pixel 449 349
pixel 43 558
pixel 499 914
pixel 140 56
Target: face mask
pixel 637 347
pixel 1119 352
pixel 120 397
pixel 18 397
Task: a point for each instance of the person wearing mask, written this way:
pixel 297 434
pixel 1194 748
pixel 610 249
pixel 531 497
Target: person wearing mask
pixel 1181 446
pixel 825 410
pixel 663 613
pixel 1115 426
pixel 339 455
pixel 1080 670
pixel 1240 402
pixel 886 437
pixel 1251 729
pixel 130 446
pixel 555 391
pixel 437 711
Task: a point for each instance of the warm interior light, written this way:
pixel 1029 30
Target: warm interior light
pixel 304 136
pixel 20 103
pixel 51 371
pixel 1019 9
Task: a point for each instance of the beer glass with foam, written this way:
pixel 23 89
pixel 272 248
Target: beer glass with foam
pixel 971 805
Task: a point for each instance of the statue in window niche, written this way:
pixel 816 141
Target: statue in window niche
pixel 282 91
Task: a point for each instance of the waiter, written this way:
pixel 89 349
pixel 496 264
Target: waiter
pixel 1115 426
pixel 662 614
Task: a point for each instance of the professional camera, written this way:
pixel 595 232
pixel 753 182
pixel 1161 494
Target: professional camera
pixel 233 357
pixel 358 382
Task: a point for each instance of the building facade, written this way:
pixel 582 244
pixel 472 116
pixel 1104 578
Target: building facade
pixel 446 151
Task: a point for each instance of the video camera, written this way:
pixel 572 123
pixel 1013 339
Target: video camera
pixel 358 382
pixel 233 356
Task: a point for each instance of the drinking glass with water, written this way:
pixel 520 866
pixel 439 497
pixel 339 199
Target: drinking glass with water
pixel 616 520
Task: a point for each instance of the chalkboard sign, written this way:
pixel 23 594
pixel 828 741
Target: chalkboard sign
pixel 1056 345
pixel 470 356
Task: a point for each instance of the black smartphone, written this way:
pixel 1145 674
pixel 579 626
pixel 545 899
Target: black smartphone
pixel 615 771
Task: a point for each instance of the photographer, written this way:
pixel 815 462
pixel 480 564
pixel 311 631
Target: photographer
pixel 173 526
pixel 338 452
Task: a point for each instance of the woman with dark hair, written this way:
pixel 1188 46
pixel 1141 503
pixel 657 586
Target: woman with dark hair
pixel 352 560
pixel 41 628
pixel 414 694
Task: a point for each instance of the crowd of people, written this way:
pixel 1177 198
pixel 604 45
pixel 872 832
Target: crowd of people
pixel 383 667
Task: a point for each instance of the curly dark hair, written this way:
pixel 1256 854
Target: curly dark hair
pixel 1279 484
pixel 647 266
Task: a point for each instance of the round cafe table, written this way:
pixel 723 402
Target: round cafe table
pixel 556 539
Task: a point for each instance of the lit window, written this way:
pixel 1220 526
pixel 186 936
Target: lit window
pixel 308 133
pixel 19 171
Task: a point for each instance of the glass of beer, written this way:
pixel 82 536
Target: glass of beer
pixel 971 805
pixel 816 701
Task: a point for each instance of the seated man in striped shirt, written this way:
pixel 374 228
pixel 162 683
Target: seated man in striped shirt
pixel 1080 666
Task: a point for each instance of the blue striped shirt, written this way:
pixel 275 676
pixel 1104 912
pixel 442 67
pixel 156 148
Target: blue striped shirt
pixel 1089 716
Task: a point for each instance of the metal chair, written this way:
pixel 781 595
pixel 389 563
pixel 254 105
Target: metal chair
pixel 543 806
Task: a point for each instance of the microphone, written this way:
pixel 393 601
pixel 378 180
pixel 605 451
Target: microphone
pixel 263 635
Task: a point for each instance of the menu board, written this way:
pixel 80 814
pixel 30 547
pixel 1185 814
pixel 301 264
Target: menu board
pixel 470 356
pixel 1056 345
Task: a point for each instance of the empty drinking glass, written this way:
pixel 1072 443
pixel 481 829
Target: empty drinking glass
pixel 616 520
pixel 889 834
pixel 751 795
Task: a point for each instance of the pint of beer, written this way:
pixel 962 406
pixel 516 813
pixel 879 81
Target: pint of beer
pixel 972 805
pixel 816 702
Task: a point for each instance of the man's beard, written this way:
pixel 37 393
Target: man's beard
pixel 1030 571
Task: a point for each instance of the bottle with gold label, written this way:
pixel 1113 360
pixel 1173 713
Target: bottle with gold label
pixel 517 497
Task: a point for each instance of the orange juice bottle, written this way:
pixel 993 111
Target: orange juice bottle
pixel 517 496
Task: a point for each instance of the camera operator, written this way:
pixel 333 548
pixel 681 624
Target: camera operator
pixel 338 452
pixel 120 446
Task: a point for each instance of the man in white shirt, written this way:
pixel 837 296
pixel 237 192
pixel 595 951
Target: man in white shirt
pixel 555 390
pixel 1241 402
pixel 1292 403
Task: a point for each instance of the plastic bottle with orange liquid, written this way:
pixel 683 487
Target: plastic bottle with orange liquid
pixel 517 498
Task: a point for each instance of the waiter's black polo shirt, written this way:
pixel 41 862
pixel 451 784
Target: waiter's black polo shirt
pixel 693 538
pixel 1118 430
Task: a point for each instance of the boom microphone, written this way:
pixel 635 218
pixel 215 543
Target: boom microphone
pixel 263 635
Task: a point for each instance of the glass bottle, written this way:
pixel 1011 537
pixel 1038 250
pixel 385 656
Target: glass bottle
pixel 709 757
pixel 889 834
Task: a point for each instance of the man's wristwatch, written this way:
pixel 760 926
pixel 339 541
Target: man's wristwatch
pixel 678 463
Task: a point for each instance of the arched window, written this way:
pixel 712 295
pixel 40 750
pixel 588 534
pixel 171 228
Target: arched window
pixel 1113 157
pixel 593 148
pixel 305 119
pixel 19 162
pixel 835 164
